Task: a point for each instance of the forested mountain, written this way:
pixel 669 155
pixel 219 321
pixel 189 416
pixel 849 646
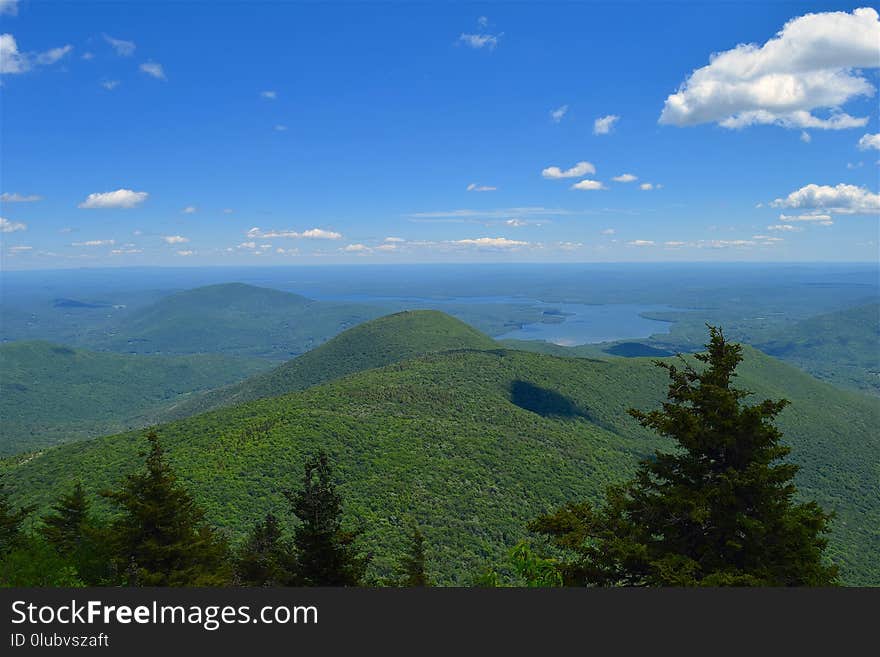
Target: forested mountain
pixel 473 444
pixel 369 345
pixel 233 319
pixel 51 394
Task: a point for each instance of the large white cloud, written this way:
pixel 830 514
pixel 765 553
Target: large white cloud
pixel 13 61
pixel 120 198
pixel 840 199
pixel 869 141
pixel 811 64
pixel 578 170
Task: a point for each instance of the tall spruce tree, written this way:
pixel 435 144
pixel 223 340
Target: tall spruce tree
pixel 413 562
pixel 326 555
pixel 161 538
pixel 66 527
pixel 10 521
pixel 265 558
pixel 718 510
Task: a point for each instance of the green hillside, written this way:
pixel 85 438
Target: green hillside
pixel 234 319
pixel 841 347
pixel 51 394
pixel 473 444
pixel 369 345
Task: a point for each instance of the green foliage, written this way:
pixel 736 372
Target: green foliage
pixel 265 558
pixel 439 438
pixel 527 569
pixel 326 555
pixel 33 562
pixel 53 394
pixel 65 528
pixel 413 562
pixel 718 510
pixel 10 521
pixel 160 539
pixel 372 344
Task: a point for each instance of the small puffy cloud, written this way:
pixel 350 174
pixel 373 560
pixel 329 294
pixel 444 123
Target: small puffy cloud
pixel 175 239
pixel 312 234
pixel 785 218
pixel 578 170
pixel 185 253
pixel 474 187
pixel 120 198
pixel 588 185
pixel 492 243
pixel 95 243
pixel 110 85
pixel 625 178
pixel 674 244
pixel 478 41
pixel 7 226
pixel 247 245
pixel 153 70
pixel 647 187
pixel 609 231
pixel 805 137
pixel 516 223
pixel 784 228
pixel 51 56
pixel 14 197
pixel 557 115
pixel 9 7
pixel 20 249
pixel 869 141
pixel 269 95
pixel 281 251
pixel 190 209
pixel 88 56
pixel 854 165
pixel 641 243
pixel 840 199
pixel 126 251
pixel 122 47
pixel 814 62
pixel 356 248
pixel 605 124
pixel 483 21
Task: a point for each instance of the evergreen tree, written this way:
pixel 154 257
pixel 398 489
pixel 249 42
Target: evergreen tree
pixel 10 521
pixel 161 538
pixel 264 559
pixel 413 563
pixel 325 554
pixel 718 510
pixel 66 527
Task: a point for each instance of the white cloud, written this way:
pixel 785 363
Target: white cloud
pixel 228 210
pixel 120 198
pixel 805 137
pixel 312 233
pixel 356 248
pixel 278 127
pixel 489 41
pixel 185 253
pixel 110 85
pixel 7 226
pixel 516 223
pixel 588 185
pixel 247 245
pixel 785 218
pixel 558 114
pixel 474 187
pixel 783 228
pixel 813 63
pixel 15 197
pixel 190 209
pixel 13 61
pixel 674 245
pixel 126 251
pixel 269 95
pixel 175 239
pixel 869 141
pixel 647 187
pixel 51 56
pixel 20 249
pixel 609 231
pixel 9 7
pixel 854 165
pixel 491 242
pixel 122 47
pixel 483 21
pixel 154 70
pixel 394 239
pixel 578 170
pixel 641 243
pixel 625 178
pixel 840 199
pixel 88 55
pixel 604 124
pixel 95 243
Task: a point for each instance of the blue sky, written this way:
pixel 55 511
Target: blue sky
pixel 281 133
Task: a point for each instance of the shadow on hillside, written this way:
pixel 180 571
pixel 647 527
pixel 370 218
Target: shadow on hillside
pixel 544 402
